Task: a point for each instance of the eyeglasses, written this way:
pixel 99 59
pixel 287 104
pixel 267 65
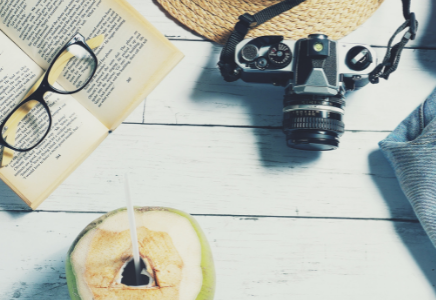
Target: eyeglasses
pixel 30 122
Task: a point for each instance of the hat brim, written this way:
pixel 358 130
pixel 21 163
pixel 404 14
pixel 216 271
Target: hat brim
pixel 215 19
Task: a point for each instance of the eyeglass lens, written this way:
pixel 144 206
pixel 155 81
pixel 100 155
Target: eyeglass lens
pixel 76 65
pixel 30 122
pixel 27 126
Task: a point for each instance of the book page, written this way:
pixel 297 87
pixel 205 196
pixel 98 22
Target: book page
pixel 34 174
pixel 132 61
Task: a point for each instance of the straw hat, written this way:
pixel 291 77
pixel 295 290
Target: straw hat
pixel 215 19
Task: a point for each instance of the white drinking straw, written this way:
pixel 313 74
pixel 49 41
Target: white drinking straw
pixel 133 234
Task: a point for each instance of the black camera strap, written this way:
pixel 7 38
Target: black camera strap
pixel 393 53
pixel 230 71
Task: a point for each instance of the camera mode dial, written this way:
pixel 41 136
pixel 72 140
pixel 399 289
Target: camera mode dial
pixel 280 55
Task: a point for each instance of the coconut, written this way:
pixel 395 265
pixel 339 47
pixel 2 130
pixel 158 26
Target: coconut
pixel 176 258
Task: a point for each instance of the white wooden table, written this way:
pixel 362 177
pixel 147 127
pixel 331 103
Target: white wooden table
pixel 283 224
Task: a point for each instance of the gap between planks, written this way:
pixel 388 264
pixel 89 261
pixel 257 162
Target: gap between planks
pixel 235 126
pixel 247 217
pixel 174 39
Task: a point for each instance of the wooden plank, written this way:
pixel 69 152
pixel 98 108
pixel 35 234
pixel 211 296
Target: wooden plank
pixel 237 171
pixel 195 93
pixel 385 21
pixel 376 31
pixel 137 116
pixel 256 258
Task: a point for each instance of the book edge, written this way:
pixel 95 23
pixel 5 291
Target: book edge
pixel 34 203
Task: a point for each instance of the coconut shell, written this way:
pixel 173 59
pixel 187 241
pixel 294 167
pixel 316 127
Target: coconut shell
pixel 207 265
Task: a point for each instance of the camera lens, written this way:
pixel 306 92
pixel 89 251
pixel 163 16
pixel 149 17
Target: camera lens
pixel 313 122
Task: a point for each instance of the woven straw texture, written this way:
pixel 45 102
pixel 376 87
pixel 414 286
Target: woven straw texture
pixel 215 19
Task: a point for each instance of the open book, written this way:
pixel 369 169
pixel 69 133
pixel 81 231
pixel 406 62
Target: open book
pixel 133 59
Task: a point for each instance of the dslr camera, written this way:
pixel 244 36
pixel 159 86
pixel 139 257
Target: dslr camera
pixel 316 73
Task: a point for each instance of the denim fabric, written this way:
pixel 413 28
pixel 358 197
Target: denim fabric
pixel 411 151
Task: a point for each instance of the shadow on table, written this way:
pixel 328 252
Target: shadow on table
pixel 414 237
pixel 47 281
pixel 10 201
pixel 275 153
pixel 427 58
pixel 416 240
pixel 260 105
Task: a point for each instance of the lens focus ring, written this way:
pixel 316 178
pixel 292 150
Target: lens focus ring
pixel 313 123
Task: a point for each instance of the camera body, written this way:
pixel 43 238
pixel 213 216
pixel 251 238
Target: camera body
pixel 316 73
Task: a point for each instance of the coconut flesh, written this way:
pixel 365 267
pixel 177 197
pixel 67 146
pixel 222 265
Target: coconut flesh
pixel 171 249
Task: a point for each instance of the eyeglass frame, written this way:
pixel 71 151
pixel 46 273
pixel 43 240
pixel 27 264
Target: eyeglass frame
pixel 45 87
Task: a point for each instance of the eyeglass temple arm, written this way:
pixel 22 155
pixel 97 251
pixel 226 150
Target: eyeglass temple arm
pixel 57 68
